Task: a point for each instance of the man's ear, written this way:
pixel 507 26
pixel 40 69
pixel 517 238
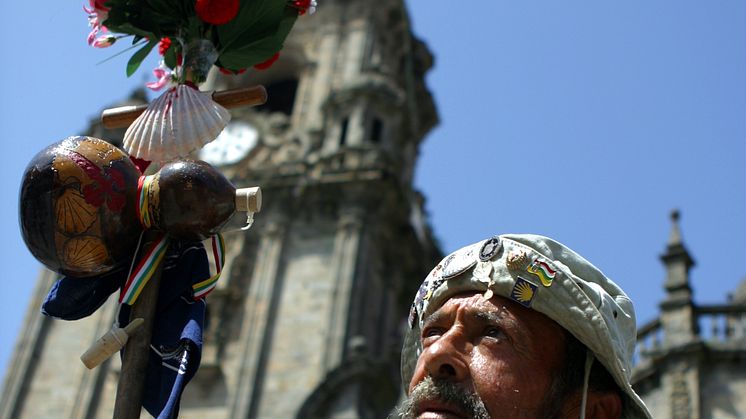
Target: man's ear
pixel 603 405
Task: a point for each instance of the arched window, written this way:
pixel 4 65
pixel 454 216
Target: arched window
pixel 280 96
pixel 343 131
pixel 376 131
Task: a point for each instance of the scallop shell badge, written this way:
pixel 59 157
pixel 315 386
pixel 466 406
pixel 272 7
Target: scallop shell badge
pixel 180 121
pixel 523 292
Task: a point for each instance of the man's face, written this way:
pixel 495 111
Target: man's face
pixel 497 353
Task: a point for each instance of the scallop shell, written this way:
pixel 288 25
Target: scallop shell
pixel 180 121
pixel 73 214
pixel 84 254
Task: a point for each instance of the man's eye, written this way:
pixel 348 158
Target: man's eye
pixel 494 332
pixel 432 332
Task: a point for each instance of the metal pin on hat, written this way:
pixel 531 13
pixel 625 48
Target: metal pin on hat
pixel 489 293
pixel 490 248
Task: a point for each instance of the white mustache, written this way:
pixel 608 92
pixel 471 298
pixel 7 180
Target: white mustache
pixel 443 391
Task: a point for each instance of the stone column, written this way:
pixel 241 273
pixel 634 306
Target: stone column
pixel 682 382
pixel 89 386
pixel 225 294
pixel 344 262
pixel 257 307
pixel 29 345
pixel 323 78
pixel 355 40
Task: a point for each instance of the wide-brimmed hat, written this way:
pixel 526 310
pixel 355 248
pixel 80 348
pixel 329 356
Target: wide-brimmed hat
pixel 544 275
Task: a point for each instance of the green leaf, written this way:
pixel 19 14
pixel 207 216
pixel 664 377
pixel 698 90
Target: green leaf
pixel 194 26
pixel 128 28
pixel 164 6
pixel 169 58
pixel 255 19
pixel 139 17
pixel 137 58
pixel 261 49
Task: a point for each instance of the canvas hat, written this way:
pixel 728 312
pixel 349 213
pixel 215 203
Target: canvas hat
pixel 546 276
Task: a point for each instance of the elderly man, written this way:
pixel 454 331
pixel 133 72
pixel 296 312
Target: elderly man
pixel 519 326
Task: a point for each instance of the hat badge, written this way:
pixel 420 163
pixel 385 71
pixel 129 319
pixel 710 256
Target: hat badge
pixel 543 270
pixel 523 292
pixel 459 262
pixel 490 248
pixel 516 260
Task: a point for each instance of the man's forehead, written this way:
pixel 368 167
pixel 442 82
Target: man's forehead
pixel 496 308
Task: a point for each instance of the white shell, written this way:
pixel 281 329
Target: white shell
pixel 180 121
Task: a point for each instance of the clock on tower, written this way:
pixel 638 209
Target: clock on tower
pixel 233 144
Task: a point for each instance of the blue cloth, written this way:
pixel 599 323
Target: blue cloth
pixel 75 298
pixel 176 344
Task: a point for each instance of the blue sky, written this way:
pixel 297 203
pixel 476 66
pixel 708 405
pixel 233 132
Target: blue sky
pixel 584 121
pixel 589 122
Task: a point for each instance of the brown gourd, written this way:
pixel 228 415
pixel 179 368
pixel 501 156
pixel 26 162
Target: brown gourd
pixel 79 204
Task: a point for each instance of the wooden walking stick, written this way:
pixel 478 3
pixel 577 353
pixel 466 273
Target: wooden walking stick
pixel 135 360
pixel 222 198
pixel 92 223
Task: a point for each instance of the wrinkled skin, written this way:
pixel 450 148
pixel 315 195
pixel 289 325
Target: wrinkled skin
pixel 504 354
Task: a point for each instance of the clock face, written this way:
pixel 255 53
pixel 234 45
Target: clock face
pixel 232 145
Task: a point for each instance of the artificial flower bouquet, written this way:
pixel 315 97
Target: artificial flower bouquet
pixel 192 35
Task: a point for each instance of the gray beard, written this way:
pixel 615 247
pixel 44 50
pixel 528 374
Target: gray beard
pixel 445 391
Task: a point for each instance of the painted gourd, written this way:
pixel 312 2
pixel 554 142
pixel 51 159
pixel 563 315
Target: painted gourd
pixel 77 207
pixel 189 199
pixel 83 205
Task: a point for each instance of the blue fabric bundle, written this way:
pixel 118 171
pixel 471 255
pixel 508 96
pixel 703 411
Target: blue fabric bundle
pixel 176 344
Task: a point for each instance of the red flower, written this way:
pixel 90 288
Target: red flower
pixel 267 64
pixel 164 45
pixel 217 12
pixel 99 4
pixel 106 186
pixel 304 6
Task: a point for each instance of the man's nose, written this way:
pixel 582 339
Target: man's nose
pixel 447 358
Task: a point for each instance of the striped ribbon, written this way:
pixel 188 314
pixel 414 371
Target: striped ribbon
pixel 215 249
pixel 143 188
pixel 140 276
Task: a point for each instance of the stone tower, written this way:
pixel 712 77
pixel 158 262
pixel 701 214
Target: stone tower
pixel 306 319
pixel 692 358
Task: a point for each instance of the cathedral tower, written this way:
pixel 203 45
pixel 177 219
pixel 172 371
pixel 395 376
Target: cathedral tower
pixel 307 317
pixel 691 360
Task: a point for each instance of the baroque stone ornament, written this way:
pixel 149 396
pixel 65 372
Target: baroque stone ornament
pixel 680 398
